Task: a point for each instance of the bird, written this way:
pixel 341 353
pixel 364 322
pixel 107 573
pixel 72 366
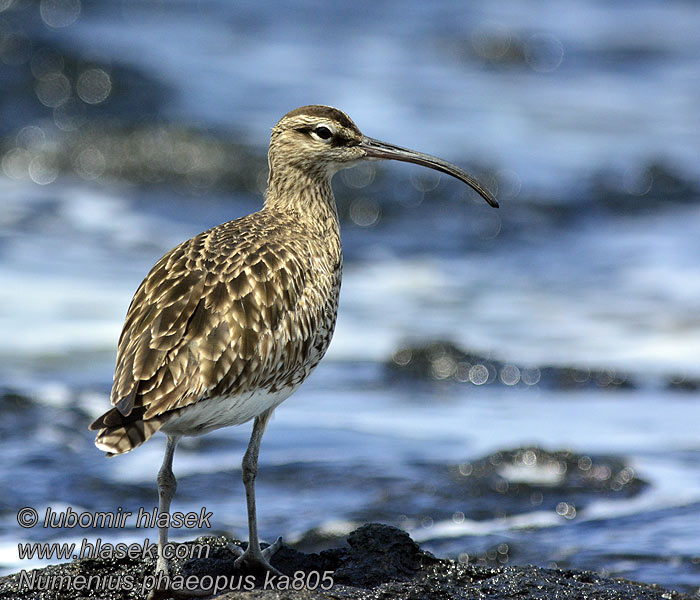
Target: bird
pixel 228 324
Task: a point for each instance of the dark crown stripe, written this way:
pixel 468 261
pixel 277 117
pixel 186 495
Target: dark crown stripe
pixel 326 112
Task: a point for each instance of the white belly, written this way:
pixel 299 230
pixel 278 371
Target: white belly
pixel 206 415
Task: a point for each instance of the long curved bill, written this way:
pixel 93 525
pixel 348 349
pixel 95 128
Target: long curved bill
pixel 376 149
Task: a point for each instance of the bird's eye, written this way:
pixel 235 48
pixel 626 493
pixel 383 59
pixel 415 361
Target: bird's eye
pixel 323 132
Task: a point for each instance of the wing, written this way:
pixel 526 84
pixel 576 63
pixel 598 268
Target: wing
pixel 222 312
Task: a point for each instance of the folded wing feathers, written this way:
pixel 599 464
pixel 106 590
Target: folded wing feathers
pixel 207 320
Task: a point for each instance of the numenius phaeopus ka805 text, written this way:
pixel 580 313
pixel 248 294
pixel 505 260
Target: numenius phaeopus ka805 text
pixel 229 323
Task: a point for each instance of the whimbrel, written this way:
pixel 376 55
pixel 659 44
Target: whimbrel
pixel 228 324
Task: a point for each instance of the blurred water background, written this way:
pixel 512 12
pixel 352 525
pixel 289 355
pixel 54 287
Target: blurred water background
pixel 514 386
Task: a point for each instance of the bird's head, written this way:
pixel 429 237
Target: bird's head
pixel 316 139
pixel 321 140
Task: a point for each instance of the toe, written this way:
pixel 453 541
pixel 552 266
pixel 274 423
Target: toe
pixel 272 548
pixel 235 549
pixel 254 563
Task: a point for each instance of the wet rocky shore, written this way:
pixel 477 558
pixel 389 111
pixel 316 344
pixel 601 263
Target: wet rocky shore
pixel 378 562
pixel 498 459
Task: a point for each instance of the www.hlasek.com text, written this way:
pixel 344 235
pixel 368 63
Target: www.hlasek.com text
pixel 105 550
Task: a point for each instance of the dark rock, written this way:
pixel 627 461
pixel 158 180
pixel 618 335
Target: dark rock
pixel 683 384
pixel 379 553
pixel 13 401
pixel 381 563
pixel 502 484
pixel 188 159
pixel 317 539
pixel 576 378
pixel 652 185
pixel 97 119
pixel 552 476
pixel 443 361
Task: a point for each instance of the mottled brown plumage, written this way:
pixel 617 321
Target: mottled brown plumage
pixel 229 323
pixel 234 309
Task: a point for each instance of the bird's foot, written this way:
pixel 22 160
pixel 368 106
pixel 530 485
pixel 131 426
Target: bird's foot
pixel 255 560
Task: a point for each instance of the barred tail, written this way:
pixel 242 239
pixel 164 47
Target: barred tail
pixel 119 434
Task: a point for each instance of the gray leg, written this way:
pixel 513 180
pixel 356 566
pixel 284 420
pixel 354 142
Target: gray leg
pixel 167 484
pixel 166 490
pixel 253 556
